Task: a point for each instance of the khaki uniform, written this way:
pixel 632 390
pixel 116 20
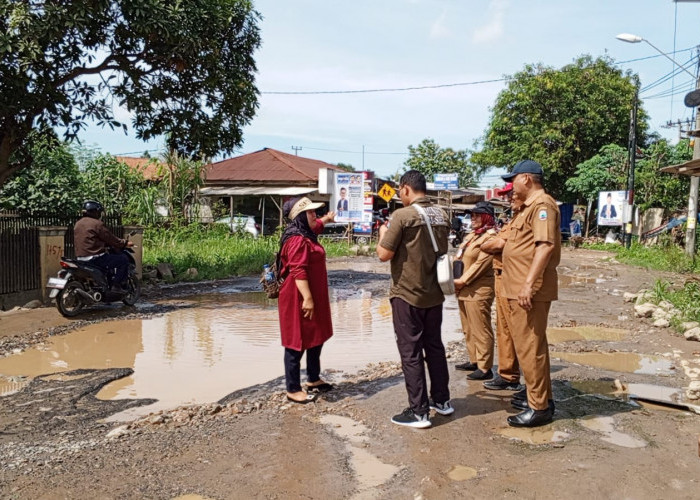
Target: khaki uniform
pixel 508 367
pixel 538 221
pixel 476 299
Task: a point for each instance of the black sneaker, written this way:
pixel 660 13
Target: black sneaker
pixel 442 408
pixel 481 375
pixel 411 419
pixel 500 384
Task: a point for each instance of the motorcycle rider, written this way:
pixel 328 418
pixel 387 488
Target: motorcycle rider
pixel 91 241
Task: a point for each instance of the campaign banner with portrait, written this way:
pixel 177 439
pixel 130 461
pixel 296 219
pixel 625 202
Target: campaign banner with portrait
pixel 348 199
pixel 611 205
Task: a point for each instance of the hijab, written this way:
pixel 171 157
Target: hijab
pixel 299 226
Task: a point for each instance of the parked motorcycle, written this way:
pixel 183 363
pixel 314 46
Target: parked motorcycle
pixel 81 284
pixel 455 237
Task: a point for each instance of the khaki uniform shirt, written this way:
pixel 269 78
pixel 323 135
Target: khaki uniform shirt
pixel 537 221
pixel 478 269
pixel 502 234
pixel 413 267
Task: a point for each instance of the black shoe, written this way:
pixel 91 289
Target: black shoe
pixel 531 418
pixel 479 375
pixel 521 395
pixel 500 384
pixel 521 404
pixel 466 367
pixel 118 289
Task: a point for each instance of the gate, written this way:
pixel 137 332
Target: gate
pixel 19 247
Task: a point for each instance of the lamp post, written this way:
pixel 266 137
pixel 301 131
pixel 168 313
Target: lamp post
pixel 694 180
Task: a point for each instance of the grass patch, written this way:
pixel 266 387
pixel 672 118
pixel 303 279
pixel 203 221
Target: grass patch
pixel 661 257
pixel 215 252
pixel 685 298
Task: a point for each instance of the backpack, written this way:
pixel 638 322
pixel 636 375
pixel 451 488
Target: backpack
pixel 272 287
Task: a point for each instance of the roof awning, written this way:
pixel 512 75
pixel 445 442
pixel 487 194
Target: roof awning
pixel 256 190
pixel 691 168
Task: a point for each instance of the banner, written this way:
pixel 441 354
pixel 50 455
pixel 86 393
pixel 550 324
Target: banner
pixel 348 198
pixel 610 207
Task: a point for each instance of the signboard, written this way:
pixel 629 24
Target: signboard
pixel 386 192
pixel 611 205
pixel 446 181
pixel 348 198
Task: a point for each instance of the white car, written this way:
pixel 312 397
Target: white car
pixel 242 224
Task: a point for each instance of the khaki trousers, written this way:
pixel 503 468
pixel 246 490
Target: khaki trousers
pixel 478 334
pixel 529 331
pixel 508 367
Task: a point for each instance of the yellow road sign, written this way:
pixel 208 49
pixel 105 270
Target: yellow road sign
pixel 386 192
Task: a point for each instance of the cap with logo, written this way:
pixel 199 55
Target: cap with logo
pixel 524 167
pixel 482 207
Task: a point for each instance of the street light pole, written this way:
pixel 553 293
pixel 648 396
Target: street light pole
pixel 632 150
pixel 694 181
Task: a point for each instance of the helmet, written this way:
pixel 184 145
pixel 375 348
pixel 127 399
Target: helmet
pixel 92 206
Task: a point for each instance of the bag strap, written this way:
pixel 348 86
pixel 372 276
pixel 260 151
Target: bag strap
pixel 422 213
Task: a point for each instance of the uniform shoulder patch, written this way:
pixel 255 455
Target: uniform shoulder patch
pixel 543 214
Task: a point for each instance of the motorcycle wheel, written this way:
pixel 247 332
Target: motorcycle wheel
pixel 68 302
pixel 455 243
pixel 134 286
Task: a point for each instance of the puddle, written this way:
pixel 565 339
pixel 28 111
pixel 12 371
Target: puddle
pixel 571 280
pixel 370 471
pixel 627 362
pixel 219 344
pixel 569 334
pixel 606 426
pixel 604 387
pixel 461 473
pixel 534 436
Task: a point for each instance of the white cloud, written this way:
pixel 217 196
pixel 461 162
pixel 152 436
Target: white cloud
pixel 493 30
pixel 439 28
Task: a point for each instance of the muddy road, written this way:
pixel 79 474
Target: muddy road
pixel 59 437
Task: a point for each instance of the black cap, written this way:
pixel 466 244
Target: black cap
pixel 524 167
pixel 482 207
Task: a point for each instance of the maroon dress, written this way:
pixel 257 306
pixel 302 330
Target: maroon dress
pixel 305 260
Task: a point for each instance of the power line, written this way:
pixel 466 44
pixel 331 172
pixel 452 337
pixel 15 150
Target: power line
pixel 367 91
pixel 353 152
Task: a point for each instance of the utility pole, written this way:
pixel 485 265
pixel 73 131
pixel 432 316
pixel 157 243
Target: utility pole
pixel 694 184
pixel 296 150
pixel 632 163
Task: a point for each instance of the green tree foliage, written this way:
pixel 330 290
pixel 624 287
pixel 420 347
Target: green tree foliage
pixel 560 117
pixel 430 159
pixel 184 69
pixel 607 171
pixel 112 183
pixel 52 184
pixel 346 166
pixel 182 179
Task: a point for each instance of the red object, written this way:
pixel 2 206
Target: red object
pixel 305 260
pixel 505 189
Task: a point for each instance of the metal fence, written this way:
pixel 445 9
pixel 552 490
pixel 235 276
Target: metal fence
pixel 19 247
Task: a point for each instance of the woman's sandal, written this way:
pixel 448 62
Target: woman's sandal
pixel 310 398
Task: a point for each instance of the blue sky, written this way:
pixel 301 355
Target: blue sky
pixel 328 45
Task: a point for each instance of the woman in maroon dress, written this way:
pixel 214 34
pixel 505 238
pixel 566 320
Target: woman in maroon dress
pixel 304 307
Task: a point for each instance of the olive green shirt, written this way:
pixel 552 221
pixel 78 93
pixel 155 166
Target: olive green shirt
pixel 413 267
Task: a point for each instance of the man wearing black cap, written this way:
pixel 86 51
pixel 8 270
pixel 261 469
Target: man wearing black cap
pixel 530 259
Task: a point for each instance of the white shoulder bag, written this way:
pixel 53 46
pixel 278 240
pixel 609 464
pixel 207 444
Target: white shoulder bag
pixel 443 263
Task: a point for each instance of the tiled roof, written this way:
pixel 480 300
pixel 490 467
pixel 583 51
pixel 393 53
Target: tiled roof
pixel 266 165
pixel 147 166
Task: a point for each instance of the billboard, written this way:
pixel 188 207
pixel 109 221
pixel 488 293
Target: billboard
pixel 349 197
pixel 611 205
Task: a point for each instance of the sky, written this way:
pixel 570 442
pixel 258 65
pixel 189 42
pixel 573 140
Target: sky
pixel 330 45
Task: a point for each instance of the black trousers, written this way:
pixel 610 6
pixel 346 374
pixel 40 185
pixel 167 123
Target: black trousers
pixel 292 366
pixel 419 339
pixel 116 265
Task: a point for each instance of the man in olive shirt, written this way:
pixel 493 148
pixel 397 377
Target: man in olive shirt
pixel 530 258
pixel 416 300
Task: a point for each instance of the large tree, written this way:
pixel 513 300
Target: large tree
pixel 560 117
pixel 430 159
pixel 184 69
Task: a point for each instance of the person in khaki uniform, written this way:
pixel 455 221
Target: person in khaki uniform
pixel 530 258
pixel 475 292
pixel 508 377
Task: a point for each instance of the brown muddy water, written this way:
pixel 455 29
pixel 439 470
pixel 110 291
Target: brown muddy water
pixel 215 344
pixel 627 362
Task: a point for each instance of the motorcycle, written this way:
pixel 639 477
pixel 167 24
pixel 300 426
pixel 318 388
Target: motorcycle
pixel 455 238
pixel 81 284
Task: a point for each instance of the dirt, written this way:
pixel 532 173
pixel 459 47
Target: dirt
pixel 55 443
